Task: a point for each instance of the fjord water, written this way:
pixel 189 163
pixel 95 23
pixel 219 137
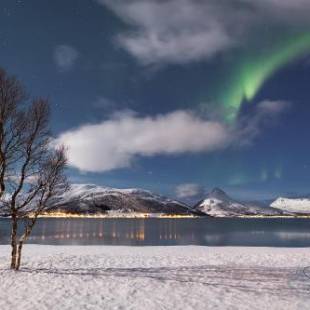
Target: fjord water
pixel 187 231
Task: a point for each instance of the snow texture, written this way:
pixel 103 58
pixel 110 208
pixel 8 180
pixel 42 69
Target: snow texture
pixel 293 205
pixel 181 277
pixel 219 204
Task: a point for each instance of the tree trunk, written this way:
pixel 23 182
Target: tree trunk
pixel 19 254
pixel 21 242
pixel 14 241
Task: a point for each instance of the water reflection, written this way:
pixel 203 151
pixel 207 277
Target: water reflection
pixel 284 235
pixel 202 231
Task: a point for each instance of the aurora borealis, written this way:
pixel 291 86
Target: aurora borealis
pixel 161 94
pixel 253 71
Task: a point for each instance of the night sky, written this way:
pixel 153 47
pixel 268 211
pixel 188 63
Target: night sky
pixel 174 96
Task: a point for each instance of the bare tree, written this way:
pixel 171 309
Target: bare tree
pixel 31 172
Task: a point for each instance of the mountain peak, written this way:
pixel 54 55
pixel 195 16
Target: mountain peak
pixel 219 204
pixel 219 194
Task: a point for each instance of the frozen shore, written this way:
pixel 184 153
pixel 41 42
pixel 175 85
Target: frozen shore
pixel 180 277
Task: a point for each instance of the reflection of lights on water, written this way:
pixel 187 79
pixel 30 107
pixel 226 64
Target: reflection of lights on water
pixel 164 232
pixel 213 238
pixel 257 232
pixel 292 235
pixel 135 231
pixel 140 236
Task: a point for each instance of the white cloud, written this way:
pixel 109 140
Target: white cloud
pixel 174 31
pixel 265 114
pixel 65 57
pixel 104 103
pixel 182 31
pixel 189 190
pixel 270 107
pixel 116 143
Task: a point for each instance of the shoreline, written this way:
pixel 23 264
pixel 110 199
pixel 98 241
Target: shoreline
pixel 163 216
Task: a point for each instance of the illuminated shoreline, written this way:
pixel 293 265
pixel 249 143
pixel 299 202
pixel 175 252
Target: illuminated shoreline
pixel 158 215
pixel 117 215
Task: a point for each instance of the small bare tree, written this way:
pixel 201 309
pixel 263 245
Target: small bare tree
pixel 31 172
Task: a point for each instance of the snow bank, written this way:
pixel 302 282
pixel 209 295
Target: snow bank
pixel 180 277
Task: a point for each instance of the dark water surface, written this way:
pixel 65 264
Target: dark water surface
pixel 199 231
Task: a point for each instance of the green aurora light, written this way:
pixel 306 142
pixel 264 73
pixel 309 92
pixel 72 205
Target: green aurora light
pixel 252 73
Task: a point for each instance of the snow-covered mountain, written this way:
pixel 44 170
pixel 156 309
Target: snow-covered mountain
pixel 92 199
pixel 88 199
pixel 293 205
pixel 219 204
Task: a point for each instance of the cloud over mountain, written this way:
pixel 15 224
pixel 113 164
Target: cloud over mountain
pixel 189 190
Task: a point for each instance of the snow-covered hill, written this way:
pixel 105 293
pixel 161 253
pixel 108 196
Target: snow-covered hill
pixel 89 199
pixel 219 204
pixel 293 205
pixel 92 199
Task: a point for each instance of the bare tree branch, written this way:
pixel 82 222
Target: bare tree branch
pixel 31 173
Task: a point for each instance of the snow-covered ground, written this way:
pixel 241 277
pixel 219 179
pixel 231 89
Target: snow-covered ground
pixel 180 277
